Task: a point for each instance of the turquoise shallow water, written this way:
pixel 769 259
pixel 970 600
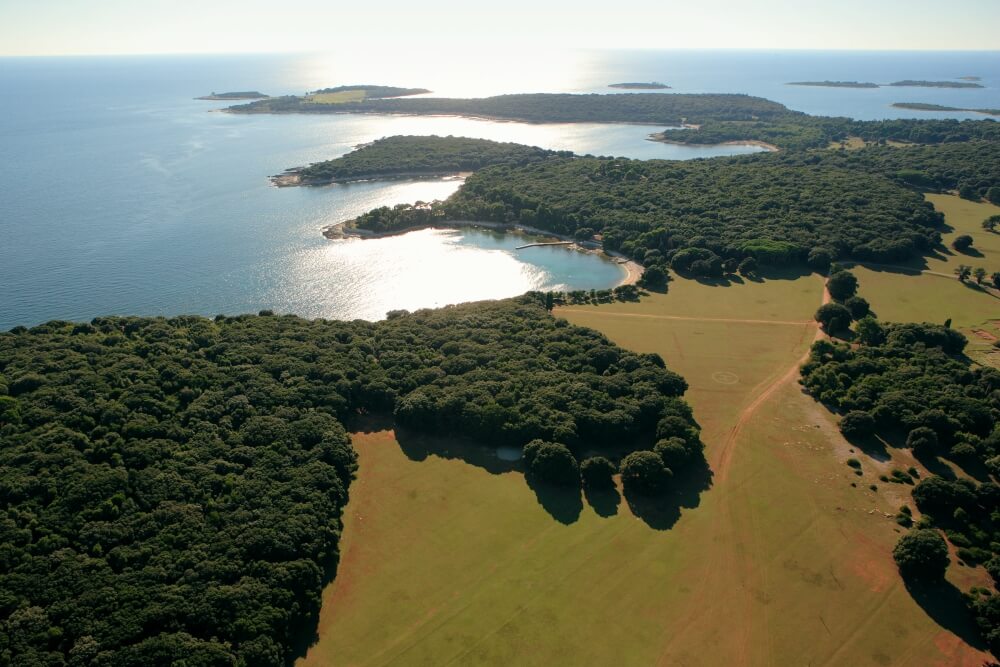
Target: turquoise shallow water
pixel 119 193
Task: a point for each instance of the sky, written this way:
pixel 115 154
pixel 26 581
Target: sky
pixel 64 27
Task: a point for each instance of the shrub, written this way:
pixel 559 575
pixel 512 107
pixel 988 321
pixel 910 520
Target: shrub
pixel 921 554
pixel 854 463
pixel 962 242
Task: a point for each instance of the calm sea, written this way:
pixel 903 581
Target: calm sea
pixel 119 193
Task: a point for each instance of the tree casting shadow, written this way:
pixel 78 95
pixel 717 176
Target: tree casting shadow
pixel 562 502
pixel 662 512
pixel 417 447
pixel 946 606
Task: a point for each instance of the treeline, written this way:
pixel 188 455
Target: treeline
pixel 653 108
pixel 172 488
pixel 909 385
pixel 677 213
pixel 372 91
pixel 799 132
pixel 427 154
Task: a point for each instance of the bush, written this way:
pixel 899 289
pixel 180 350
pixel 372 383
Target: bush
pixel 859 307
pixel 597 472
pixel 854 463
pixel 921 554
pixel 643 473
pixel 923 441
pixel 857 424
pixel 553 463
pixel 962 242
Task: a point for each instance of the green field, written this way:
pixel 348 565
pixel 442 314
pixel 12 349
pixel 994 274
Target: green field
pixel 782 561
pixel 342 97
pixel 935 294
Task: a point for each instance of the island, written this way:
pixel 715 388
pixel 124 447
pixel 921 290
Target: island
pixel 414 157
pixel 922 106
pixel 971 78
pixel 936 84
pixel 652 85
pixel 327 100
pixel 835 84
pixel 643 108
pixel 239 95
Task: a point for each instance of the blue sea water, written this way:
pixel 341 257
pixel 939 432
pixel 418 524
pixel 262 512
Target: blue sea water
pixel 120 193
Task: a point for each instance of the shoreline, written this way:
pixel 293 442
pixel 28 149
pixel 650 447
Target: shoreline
pixel 633 270
pixel 771 148
pixel 293 178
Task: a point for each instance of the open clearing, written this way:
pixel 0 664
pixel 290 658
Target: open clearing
pixel 783 562
pixel 935 294
pixel 341 97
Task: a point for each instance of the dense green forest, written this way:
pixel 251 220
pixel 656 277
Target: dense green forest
pixel 797 132
pixel 405 155
pixel 909 385
pixel 373 91
pixel 666 212
pixel 653 108
pixel 172 488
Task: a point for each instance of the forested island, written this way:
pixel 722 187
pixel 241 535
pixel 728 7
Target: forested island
pixel 835 84
pixel 652 85
pixel 910 83
pixel 239 95
pixel 173 487
pixel 649 108
pixel 410 156
pixel 922 106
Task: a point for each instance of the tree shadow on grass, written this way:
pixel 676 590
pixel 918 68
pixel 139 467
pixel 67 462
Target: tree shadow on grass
pixel 945 604
pixel 871 446
pixel 562 502
pixel 417 447
pixel 604 501
pixel 970 252
pixel 662 512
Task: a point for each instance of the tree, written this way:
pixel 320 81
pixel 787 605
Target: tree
pixel 921 555
pixel 747 267
pixel 549 301
pixel 858 306
pixel 962 242
pixel 654 276
pixel 819 259
pixel 993 195
pixel 869 331
pixel 673 452
pixel 923 441
pixel 597 472
pixel 979 273
pixel 995 278
pixel 553 463
pixel 990 223
pixel 963 272
pixel 857 424
pixel 842 285
pixel 643 473
pixel 833 317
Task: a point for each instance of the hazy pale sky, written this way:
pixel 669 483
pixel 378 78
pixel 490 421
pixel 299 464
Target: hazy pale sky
pixel 50 27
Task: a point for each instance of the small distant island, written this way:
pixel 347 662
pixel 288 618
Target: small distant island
pixel 652 85
pixel 971 78
pixel 835 84
pixel 921 106
pixel 909 83
pixel 239 95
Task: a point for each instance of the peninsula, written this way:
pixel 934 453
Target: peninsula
pixel 652 85
pixel 239 95
pixel 414 157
